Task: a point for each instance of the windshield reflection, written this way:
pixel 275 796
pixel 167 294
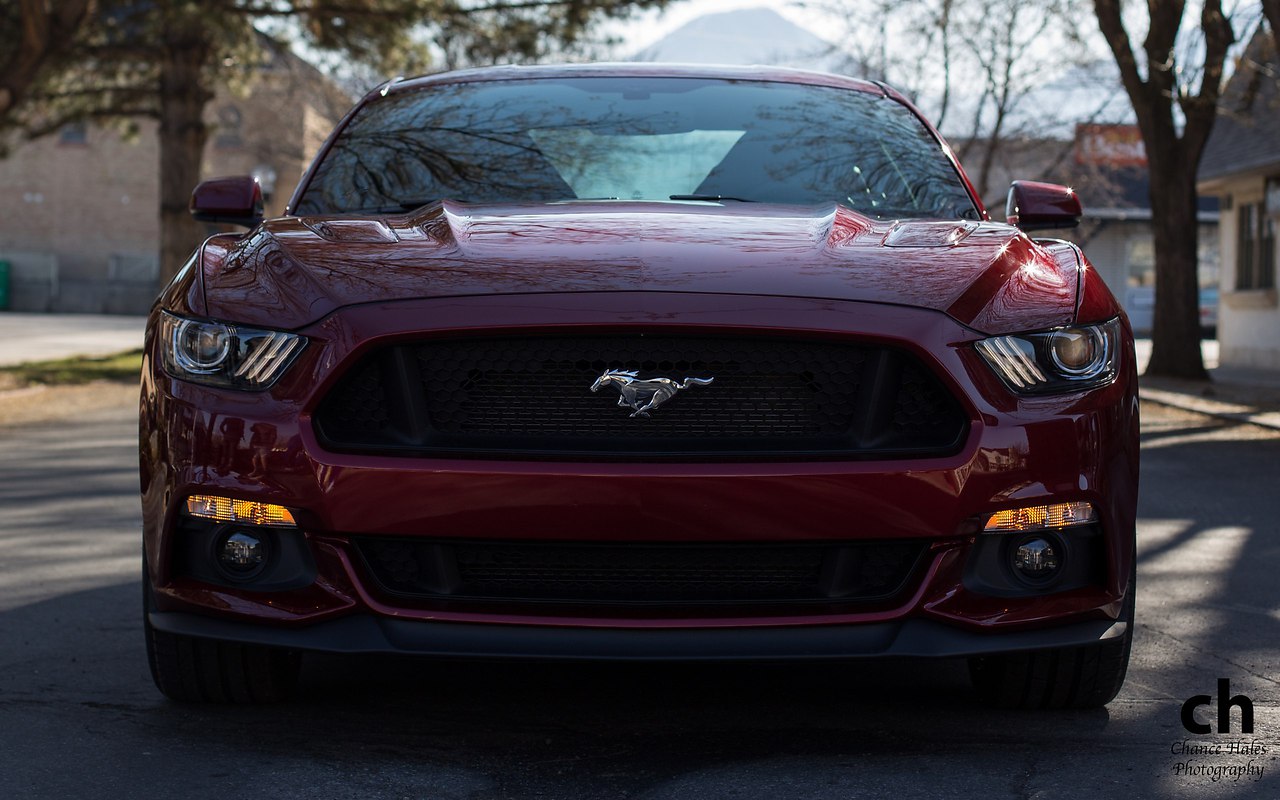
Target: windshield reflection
pixel 650 139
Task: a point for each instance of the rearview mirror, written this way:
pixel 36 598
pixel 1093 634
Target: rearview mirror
pixel 234 201
pixel 1036 206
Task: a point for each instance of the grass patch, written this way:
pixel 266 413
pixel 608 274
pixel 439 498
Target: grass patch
pixel 121 367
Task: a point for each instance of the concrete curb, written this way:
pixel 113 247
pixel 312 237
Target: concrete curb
pixel 23 391
pixel 1230 412
pixel 26 337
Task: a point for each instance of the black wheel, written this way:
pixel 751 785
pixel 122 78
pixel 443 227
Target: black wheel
pixel 1067 677
pixel 192 670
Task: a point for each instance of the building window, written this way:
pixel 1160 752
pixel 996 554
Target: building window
pixel 74 133
pixel 230 126
pixel 1255 248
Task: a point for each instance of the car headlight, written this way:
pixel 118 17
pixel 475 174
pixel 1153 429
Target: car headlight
pixel 1062 360
pixel 219 354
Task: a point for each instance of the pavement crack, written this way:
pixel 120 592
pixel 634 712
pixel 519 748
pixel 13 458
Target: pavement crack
pixel 110 706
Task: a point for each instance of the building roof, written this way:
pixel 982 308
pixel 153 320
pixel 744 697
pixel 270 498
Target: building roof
pixel 1244 135
pixel 1120 192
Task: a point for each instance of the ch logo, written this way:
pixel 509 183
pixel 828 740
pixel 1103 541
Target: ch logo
pixel 1225 702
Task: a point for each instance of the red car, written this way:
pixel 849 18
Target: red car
pixel 639 362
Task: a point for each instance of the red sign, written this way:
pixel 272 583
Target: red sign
pixel 1110 146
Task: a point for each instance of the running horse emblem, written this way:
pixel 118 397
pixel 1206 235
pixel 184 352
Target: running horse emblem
pixel 641 396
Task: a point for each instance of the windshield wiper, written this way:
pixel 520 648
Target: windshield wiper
pixel 711 198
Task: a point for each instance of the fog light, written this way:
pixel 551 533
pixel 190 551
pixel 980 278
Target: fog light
pixel 1037 559
pixel 242 554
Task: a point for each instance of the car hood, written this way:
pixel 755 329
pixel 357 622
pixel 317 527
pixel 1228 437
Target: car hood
pixel 292 271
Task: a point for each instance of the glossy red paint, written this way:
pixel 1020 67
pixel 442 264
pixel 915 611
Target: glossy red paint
pixel 204 446
pixel 353 286
pixel 235 200
pixel 292 271
pixel 1036 206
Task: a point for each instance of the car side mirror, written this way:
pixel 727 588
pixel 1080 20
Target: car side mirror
pixel 234 201
pixel 1036 206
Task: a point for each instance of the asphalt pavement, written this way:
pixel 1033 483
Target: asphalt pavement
pixel 80 718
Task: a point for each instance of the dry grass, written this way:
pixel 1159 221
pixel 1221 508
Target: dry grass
pixel 47 391
pixel 122 367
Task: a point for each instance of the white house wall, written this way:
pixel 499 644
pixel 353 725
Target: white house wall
pixel 1248 321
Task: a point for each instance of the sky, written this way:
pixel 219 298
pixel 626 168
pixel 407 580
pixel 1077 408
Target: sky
pixel 648 27
pixel 1072 94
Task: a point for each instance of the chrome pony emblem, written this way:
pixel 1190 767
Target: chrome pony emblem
pixel 643 395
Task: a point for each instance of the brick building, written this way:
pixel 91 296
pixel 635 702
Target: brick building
pixel 79 210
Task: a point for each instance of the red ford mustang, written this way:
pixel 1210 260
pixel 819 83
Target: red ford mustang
pixel 639 362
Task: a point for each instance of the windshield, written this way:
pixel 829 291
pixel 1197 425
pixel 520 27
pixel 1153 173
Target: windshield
pixel 663 139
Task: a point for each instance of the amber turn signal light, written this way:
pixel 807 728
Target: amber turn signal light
pixel 225 509
pixel 1036 518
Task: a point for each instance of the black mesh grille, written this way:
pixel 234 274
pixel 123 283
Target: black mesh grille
pixel 640 573
pixel 534 395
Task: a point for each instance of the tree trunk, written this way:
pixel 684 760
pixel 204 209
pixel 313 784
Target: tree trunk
pixel 1172 161
pixel 184 93
pixel 1271 10
pixel 1175 334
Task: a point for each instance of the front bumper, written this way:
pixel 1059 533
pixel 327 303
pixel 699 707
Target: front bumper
pixel 263 447
pixel 363 633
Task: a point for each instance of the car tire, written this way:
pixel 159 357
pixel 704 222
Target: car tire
pixel 188 669
pixel 1066 677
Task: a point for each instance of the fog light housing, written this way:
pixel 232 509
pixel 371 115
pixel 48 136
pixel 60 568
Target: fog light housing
pixel 1037 559
pixel 1036 550
pixel 241 554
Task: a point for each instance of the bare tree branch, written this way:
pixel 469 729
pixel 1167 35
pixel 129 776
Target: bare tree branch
pixel 46 31
pixel 1113 30
pixel 1173 158
pixel 1200 109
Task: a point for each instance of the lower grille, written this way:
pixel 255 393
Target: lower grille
pixel 533 396
pixel 640 573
